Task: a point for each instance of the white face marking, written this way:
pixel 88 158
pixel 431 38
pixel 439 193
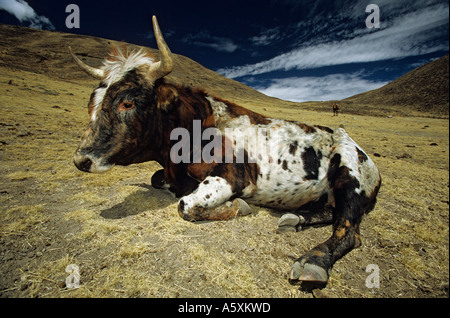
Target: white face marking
pixel 98 167
pixel 98 98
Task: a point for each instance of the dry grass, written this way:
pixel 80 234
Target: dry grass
pixel 129 241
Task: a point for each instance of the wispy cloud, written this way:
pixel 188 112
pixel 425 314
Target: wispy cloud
pixel 410 34
pixel 26 14
pixel 205 39
pixel 330 87
pixel 266 37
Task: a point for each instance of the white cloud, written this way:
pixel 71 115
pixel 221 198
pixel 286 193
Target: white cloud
pixel 24 13
pixel 406 35
pixel 222 45
pixel 205 39
pixel 266 37
pixel 330 87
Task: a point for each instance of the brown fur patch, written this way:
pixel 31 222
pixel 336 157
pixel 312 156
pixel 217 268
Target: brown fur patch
pixel 329 130
pixel 166 95
pixel 200 171
pixel 361 155
pixel 306 128
pixel 340 232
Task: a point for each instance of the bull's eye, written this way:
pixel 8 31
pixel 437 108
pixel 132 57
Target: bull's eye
pixel 125 105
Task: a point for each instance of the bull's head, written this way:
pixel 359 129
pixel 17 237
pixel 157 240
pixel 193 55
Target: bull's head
pixel 122 107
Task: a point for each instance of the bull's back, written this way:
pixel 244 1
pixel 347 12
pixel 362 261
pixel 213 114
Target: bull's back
pixel 294 165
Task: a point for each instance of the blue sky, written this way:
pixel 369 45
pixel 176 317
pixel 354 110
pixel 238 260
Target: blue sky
pixel 298 50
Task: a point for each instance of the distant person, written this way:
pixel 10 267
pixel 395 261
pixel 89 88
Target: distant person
pixel 336 108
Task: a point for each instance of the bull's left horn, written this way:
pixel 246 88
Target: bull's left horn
pixel 165 65
pixel 95 72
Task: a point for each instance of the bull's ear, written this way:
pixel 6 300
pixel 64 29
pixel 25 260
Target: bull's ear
pixel 166 97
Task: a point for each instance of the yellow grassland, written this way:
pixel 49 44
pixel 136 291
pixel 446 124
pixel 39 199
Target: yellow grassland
pixel 128 240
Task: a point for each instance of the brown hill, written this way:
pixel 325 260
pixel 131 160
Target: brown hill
pixel 45 52
pixel 424 89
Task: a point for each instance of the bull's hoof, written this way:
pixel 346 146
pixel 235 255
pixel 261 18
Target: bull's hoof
pixel 289 223
pixel 158 180
pixel 241 207
pixel 307 273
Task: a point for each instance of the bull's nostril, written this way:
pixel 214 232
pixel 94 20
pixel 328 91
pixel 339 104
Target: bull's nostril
pixel 84 164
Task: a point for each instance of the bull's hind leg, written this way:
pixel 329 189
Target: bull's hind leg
pixel 210 202
pixel 351 205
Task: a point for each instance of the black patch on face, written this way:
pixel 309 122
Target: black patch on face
pixel 311 163
pixel 284 166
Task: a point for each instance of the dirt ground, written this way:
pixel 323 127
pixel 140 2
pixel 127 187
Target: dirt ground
pixel 127 239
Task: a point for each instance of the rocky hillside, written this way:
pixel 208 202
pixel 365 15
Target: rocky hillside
pixel 424 89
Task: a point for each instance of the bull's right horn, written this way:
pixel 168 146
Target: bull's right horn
pixel 95 72
pixel 165 65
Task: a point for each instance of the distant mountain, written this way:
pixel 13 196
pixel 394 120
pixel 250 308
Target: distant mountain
pixel 424 89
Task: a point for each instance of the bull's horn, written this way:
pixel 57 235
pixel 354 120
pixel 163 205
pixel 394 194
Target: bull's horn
pixel 95 72
pixel 165 65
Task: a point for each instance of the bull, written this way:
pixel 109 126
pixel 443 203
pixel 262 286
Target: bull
pixel 316 174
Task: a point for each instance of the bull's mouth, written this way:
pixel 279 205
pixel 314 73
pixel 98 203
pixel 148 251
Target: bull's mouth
pixel 90 164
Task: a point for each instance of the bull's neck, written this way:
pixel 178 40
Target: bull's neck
pixel 194 111
pixel 190 110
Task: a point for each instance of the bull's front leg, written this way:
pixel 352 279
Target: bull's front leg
pixel 210 201
pixel 184 186
pixel 158 180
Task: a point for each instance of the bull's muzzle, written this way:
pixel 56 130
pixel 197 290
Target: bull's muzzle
pixel 82 162
pixel 88 163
